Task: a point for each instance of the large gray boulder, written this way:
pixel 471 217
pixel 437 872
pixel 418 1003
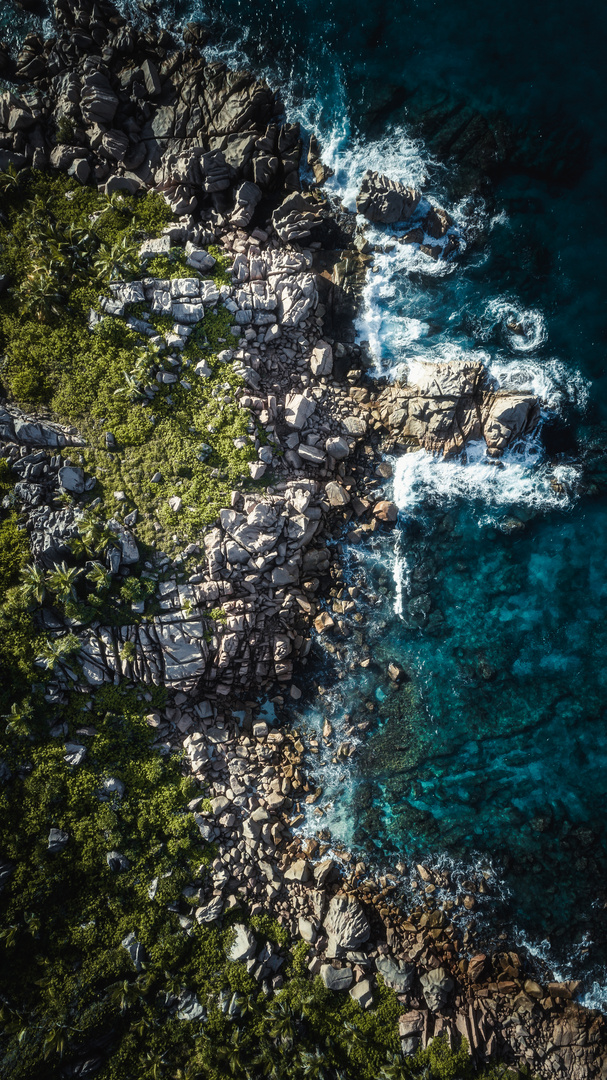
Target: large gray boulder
pixel 346 925
pixel 57 840
pixel 385 201
pixel 298 409
pixel 336 978
pixel 397 974
pixel 437 984
pixel 244 945
pixel 71 479
pixel 294 218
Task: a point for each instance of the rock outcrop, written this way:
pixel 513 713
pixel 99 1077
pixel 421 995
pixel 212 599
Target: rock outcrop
pixel 444 406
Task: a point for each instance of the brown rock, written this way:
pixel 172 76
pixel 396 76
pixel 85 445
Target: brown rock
pixel 386 511
pixel 323 622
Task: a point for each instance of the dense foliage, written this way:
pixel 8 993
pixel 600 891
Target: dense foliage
pixel 61 246
pixel 103 970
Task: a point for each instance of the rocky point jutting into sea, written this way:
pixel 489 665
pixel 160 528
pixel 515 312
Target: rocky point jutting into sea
pixel 231 619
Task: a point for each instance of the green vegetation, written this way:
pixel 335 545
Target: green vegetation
pixel 99 952
pixel 62 245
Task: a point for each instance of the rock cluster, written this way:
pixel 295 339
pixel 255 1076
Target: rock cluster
pixel 445 406
pixel 127 108
pixel 388 202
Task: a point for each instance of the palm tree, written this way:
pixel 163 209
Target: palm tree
pixel 100 577
pixel 19 721
pixel 128 993
pixel 62 582
pixel 115 262
pixel 96 537
pixel 40 296
pixel 9 180
pixel 314 1065
pixel 156 1063
pixel 231 1053
pixel 33 584
pixel 55 649
pixel 56 1040
pixel 282 1028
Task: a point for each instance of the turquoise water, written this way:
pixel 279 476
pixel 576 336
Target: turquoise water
pixel 501 756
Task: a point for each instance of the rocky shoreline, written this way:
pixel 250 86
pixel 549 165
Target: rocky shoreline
pixel 133 112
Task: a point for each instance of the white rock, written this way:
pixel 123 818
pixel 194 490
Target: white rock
pixel 298 409
pixel 244 946
pixel 71 479
pixel 321 359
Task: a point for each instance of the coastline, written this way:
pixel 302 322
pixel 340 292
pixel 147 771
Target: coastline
pixel 309 379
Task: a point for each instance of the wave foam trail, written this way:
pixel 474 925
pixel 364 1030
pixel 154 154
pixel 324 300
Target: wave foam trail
pixel 516 480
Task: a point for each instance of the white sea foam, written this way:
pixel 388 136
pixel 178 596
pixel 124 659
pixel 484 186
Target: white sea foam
pixel 515 480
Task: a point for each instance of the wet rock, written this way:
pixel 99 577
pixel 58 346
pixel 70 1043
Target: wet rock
pixel 323 622
pixel 386 511
pixel 385 201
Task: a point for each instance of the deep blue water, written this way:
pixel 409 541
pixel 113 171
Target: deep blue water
pixel 502 757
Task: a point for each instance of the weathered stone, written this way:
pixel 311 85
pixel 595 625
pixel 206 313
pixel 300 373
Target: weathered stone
pixel 336 494
pixel 398 975
pixel 298 409
pixel 321 359
pixel 71 479
pixel 437 984
pixel 386 511
pixel 384 200
pixel 307 930
pixel 362 993
pixel 117 862
pixel 298 871
pixel 57 840
pixel 244 945
pixel 323 622
pixel 337 447
pixel 336 978
pixel 346 924
pixel 211 911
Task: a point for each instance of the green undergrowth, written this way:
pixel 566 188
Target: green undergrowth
pixel 60 246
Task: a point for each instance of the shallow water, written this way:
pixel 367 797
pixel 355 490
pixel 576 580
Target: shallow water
pixel 498 753
pixel 491 591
